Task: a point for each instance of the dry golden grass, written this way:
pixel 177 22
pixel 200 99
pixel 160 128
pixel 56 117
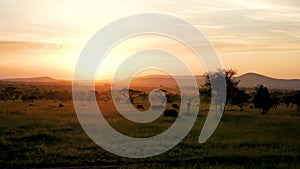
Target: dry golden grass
pixel 44 135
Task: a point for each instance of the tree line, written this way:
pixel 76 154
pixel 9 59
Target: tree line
pixel 32 93
pixel 262 98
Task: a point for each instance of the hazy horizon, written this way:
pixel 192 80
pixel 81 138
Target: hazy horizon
pixel 142 76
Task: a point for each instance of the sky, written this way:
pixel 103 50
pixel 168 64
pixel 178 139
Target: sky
pixel 45 38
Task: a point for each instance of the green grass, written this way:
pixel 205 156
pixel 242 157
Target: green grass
pixel 42 136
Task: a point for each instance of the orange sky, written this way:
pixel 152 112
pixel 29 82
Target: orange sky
pixel 44 38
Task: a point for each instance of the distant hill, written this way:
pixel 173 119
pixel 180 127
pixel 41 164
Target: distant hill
pixel 248 80
pixel 43 79
pixel 253 79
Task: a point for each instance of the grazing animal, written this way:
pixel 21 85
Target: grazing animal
pixel 157 107
pixel 140 106
pixel 170 113
pixel 60 105
pixel 175 106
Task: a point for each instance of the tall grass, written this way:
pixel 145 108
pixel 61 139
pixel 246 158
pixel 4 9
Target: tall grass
pixel 44 135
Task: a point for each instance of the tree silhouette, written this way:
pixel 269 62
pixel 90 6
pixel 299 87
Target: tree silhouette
pixel 172 97
pixel 262 99
pixel 234 95
pixel 275 102
pixel 296 99
pixel 10 93
pixel 240 98
pixel 131 94
pixel 1 96
pixel 288 99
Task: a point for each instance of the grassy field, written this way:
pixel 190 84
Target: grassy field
pixel 45 136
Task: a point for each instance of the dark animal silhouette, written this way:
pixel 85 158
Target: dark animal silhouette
pixel 170 113
pixel 175 106
pixel 140 106
pixel 157 107
pixel 60 105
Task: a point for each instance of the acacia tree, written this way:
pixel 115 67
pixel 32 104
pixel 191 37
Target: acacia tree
pixel 172 97
pixel 240 99
pixel 1 96
pixel 208 94
pixel 234 95
pixel 288 99
pixel 262 99
pixel 9 93
pixel 296 99
pixel 131 94
pixel 275 102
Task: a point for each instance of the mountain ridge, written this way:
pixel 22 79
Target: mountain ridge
pixel 40 79
pixel 253 79
pixel 247 80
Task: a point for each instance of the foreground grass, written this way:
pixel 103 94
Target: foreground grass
pixel 44 135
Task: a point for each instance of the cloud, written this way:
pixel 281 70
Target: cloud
pixel 235 27
pixel 69 21
pixel 287 33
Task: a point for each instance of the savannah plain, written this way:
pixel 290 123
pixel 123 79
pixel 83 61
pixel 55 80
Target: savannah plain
pixel 39 133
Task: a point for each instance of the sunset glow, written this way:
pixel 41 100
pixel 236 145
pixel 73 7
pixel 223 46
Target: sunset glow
pixel 44 38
